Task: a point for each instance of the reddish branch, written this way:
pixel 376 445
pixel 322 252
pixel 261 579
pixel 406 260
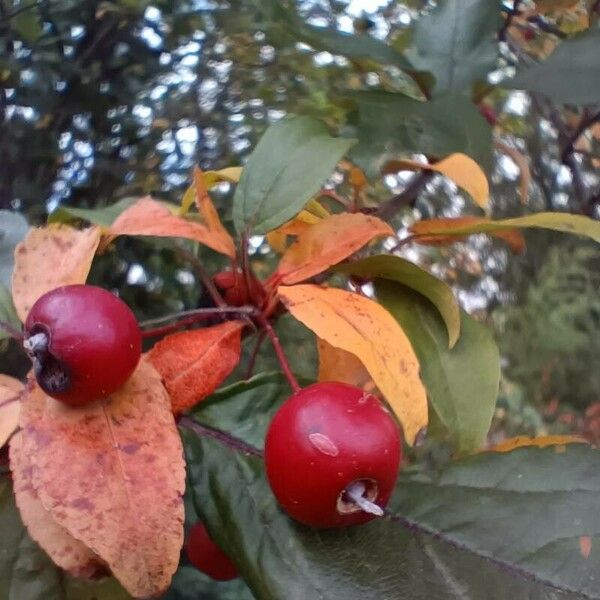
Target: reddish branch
pixel 221 436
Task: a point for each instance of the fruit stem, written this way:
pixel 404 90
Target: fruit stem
pixel 13 332
pixel 197 265
pixel 281 357
pixel 355 492
pixel 154 327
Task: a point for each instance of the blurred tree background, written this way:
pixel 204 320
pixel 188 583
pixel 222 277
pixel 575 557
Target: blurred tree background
pixel 107 101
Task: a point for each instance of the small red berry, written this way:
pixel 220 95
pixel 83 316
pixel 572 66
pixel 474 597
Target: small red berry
pixel 207 557
pixel 84 343
pixel 328 442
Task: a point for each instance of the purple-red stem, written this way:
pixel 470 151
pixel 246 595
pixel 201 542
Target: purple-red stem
pixel 252 361
pixel 221 436
pixel 189 317
pixel 281 357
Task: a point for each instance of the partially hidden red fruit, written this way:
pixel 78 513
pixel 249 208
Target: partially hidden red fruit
pixel 84 343
pixel 235 289
pixel 324 440
pixel 207 557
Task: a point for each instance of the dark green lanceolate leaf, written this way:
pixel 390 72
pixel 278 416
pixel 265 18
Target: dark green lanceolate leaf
pixel 396 558
pixel 244 409
pixel 393 125
pixel 288 166
pixel 191 584
pixel 532 509
pixel 403 271
pixel 571 74
pixel 103 216
pixel 462 383
pixel 13 227
pixel 457 43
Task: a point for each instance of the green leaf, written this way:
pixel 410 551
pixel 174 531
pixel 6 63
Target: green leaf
pixel 526 510
pixel 462 383
pixel 571 74
pixel 28 25
pixel 393 125
pixel 104 216
pixel 8 314
pixel 13 228
pixel 392 558
pixel 245 409
pixel 403 271
pixel 191 584
pixel 457 43
pixel 565 222
pixel 355 46
pixel 288 166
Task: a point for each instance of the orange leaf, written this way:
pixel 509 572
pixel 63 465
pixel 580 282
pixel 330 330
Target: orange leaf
pixel 427 232
pixel 327 243
pixel 112 474
pixel 10 406
pixel 194 363
pixel 338 365
pixel 209 213
pixel 540 442
pixel 462 169
pixel 585 546
pixel 50 257
pixel 364 328
pixel 152 218
pixel 66 551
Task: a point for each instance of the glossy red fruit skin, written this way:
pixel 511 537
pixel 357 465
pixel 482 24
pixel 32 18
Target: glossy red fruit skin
pixel 207 557
pixel 322 439
pixel 93 334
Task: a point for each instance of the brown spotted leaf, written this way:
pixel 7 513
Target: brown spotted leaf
pixel 152 218
pixel 364 328
pixel 66 551
pixel 112 474
pixel 194 363
pixel 10 406
pixel 50 257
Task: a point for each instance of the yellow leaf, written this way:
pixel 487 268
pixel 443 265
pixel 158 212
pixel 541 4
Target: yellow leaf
pixel 327 243
pixel 565 222
pixel 67 552
pixel 50 257
pixel 10 406
pixel 209 179
pixel 462 169
pixel 338 365
pixel 540 442
pixel 112 474
pixel 314 207
pixel 364 328
pixel 277 240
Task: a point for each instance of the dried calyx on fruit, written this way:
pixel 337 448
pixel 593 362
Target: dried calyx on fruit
pixel 83 341
pixel 207 557
pixel 332 454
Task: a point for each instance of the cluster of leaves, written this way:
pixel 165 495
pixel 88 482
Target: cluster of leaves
pixel 100 488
